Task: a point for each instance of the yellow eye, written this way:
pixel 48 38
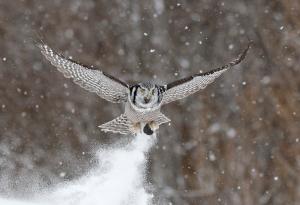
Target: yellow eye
pixel 153 92
pixel 142 91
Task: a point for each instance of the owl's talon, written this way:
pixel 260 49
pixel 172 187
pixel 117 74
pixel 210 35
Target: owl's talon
pixel 147 129
pixel 150 128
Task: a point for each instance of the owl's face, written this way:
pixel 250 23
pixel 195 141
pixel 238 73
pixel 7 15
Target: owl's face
pixel 145 96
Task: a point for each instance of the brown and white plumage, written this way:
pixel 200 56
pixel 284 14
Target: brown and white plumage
pixel 143 100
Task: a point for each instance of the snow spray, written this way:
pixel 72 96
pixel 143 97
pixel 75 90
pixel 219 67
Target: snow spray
pixel 118 179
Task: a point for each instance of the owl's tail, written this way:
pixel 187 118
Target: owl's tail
pixel 124 126
pixel 120 125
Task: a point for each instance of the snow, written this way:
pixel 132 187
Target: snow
pixel 240 135
pixel 159 6
pixel 119 179
pixel 15 202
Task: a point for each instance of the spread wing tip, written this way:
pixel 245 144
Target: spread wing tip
pixel 45 50
pixel 104 85
pixel 231 64
pixel 186 86
pixel 242 56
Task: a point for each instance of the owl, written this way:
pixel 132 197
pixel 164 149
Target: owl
pixel 142 101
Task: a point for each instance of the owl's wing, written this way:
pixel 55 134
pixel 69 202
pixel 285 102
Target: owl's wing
pixel 96 81
pixel 184 87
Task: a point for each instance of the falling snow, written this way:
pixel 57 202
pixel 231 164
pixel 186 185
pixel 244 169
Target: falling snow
pixel 236 142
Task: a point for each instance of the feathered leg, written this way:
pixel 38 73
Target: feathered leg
pixel 135 128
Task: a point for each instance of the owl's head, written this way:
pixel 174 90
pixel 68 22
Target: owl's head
pixel 146 95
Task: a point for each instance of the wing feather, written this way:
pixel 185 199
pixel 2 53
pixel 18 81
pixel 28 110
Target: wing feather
pixel 96 81
pixel 184 87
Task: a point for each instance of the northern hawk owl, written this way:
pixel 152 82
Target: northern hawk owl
pixel 142 101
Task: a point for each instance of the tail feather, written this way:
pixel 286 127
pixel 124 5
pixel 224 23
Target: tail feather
pixel 161 119
pixel 120 125
pixel 124 126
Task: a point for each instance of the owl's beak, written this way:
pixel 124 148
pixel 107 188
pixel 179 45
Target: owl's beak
pixel 146 99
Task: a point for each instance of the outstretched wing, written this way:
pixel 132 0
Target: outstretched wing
pixel 104 85
pixel 184 87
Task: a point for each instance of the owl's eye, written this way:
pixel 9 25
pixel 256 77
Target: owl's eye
pixel 153 92
pixel 142 91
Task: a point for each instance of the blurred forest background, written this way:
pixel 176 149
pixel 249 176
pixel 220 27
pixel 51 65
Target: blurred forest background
pixel 234 143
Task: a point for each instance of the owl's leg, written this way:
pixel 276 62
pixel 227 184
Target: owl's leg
pixel 154 125
pixel 135 127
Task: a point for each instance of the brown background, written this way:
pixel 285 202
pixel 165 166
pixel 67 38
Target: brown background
pixel 236 142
